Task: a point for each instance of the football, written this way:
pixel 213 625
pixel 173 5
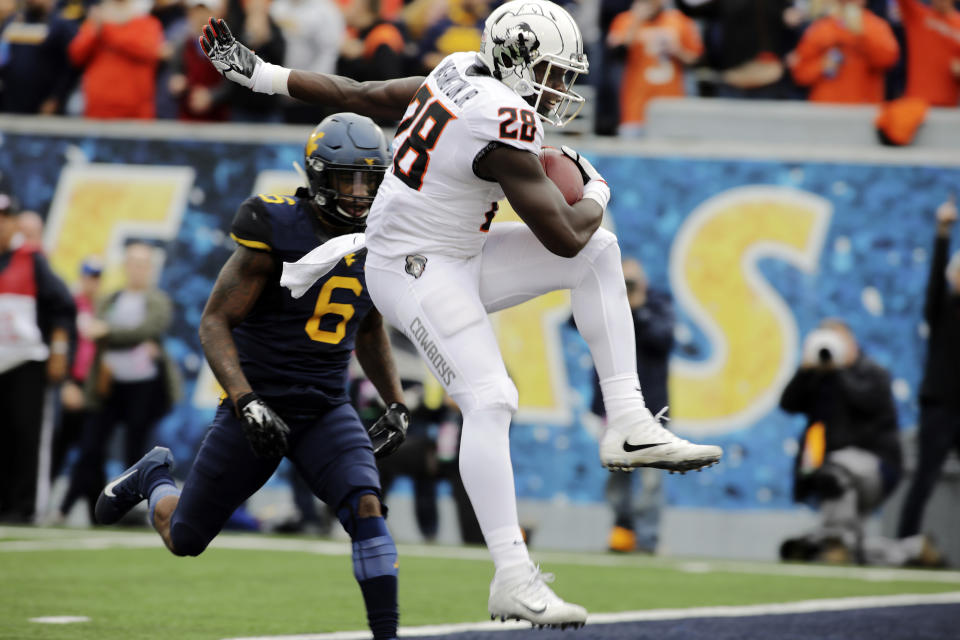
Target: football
pixel 564 173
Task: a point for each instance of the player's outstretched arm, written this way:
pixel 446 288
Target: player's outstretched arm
pixel 376 358
pixel 234 293
pixel 386 99
pixel 562 228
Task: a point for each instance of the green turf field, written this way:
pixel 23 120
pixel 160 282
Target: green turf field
pixel 147 593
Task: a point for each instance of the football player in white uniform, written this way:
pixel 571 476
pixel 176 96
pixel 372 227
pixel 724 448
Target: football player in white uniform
pixel 470 134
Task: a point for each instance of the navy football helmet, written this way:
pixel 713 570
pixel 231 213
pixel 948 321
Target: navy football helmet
pixel 346 157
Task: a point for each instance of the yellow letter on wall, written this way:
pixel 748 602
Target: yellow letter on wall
pixel 752 333
pixel 97 207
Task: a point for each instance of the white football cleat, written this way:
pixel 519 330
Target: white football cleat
pixel 521 593
pixel 639 440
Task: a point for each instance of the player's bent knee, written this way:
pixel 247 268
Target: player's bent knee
pixel 361 504
pixel 187 541
pixel 602 242
pixel 497 394
pixel 369 506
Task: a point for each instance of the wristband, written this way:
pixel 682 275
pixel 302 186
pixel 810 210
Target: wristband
pixel 598 191
pixel 270 78
pixel 246 399
pixel 59 347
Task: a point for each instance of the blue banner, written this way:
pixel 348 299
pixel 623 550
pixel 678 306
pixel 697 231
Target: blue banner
pixel 755 253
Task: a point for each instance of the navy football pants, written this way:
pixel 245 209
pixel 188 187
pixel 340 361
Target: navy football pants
pixel 331 451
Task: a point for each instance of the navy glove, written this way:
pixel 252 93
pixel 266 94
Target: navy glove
pixel 390 430
pixel 265 430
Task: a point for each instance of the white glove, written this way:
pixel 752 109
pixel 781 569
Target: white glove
pixel 239 64
pixel 595 187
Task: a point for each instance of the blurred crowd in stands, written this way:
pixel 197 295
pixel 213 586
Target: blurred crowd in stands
pixel 137 59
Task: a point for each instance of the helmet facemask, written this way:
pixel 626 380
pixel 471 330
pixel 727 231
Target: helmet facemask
pixel 344 193
pixel 553 97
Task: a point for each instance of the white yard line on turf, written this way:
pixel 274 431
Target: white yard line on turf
pixel 59 619
pixel 803 606
pixel 83 539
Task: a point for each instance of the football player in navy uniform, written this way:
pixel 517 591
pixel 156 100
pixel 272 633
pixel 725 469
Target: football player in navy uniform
pixel 283 365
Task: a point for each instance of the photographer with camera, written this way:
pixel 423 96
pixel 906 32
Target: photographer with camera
pixel 850 458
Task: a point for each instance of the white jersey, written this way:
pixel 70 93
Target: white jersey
pixel 431 201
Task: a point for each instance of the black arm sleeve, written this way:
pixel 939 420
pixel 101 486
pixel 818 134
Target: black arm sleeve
pixel 937 281
pixel 55 307
pixel 251 225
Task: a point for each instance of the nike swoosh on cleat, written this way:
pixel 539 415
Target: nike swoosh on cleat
pixel 532 610
pixel 630 448
pixel 109 488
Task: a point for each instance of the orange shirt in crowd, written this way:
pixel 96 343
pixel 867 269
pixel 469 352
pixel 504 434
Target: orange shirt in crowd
pixel 651 71
pixel 384 33
pixel 933 44
pixel 861 59
pixel 120 63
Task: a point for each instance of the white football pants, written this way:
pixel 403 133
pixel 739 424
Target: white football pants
pixel 444 313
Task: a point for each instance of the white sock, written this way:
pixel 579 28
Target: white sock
pixel 603 317
pixel 507 547
pixel 488 478
pixel 621 395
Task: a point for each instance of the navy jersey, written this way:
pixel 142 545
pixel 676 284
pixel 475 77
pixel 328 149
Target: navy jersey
pixel 296 351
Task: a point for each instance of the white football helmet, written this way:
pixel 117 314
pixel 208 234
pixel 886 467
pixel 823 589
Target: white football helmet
pixel 535 48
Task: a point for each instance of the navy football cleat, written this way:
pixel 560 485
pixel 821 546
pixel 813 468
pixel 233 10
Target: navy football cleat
pixel 127 490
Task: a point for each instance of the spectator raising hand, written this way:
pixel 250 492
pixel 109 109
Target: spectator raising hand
pixel 842 57
pixel 194 82
pixel 374 48
pixel 939 430
pixel 118 48
pixel 256 26
pixel 657 43
pixel 258 30
pixel 946 217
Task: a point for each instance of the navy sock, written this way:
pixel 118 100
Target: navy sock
pixel 375 567
pixel 155 477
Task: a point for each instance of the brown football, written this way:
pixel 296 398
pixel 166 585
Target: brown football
pixel 564 173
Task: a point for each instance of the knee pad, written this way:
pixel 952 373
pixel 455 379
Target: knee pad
pixel 602 241
pixel 187 541
pixel 497 393
pixel 374 552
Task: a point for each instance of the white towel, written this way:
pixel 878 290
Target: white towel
pixel 299 276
